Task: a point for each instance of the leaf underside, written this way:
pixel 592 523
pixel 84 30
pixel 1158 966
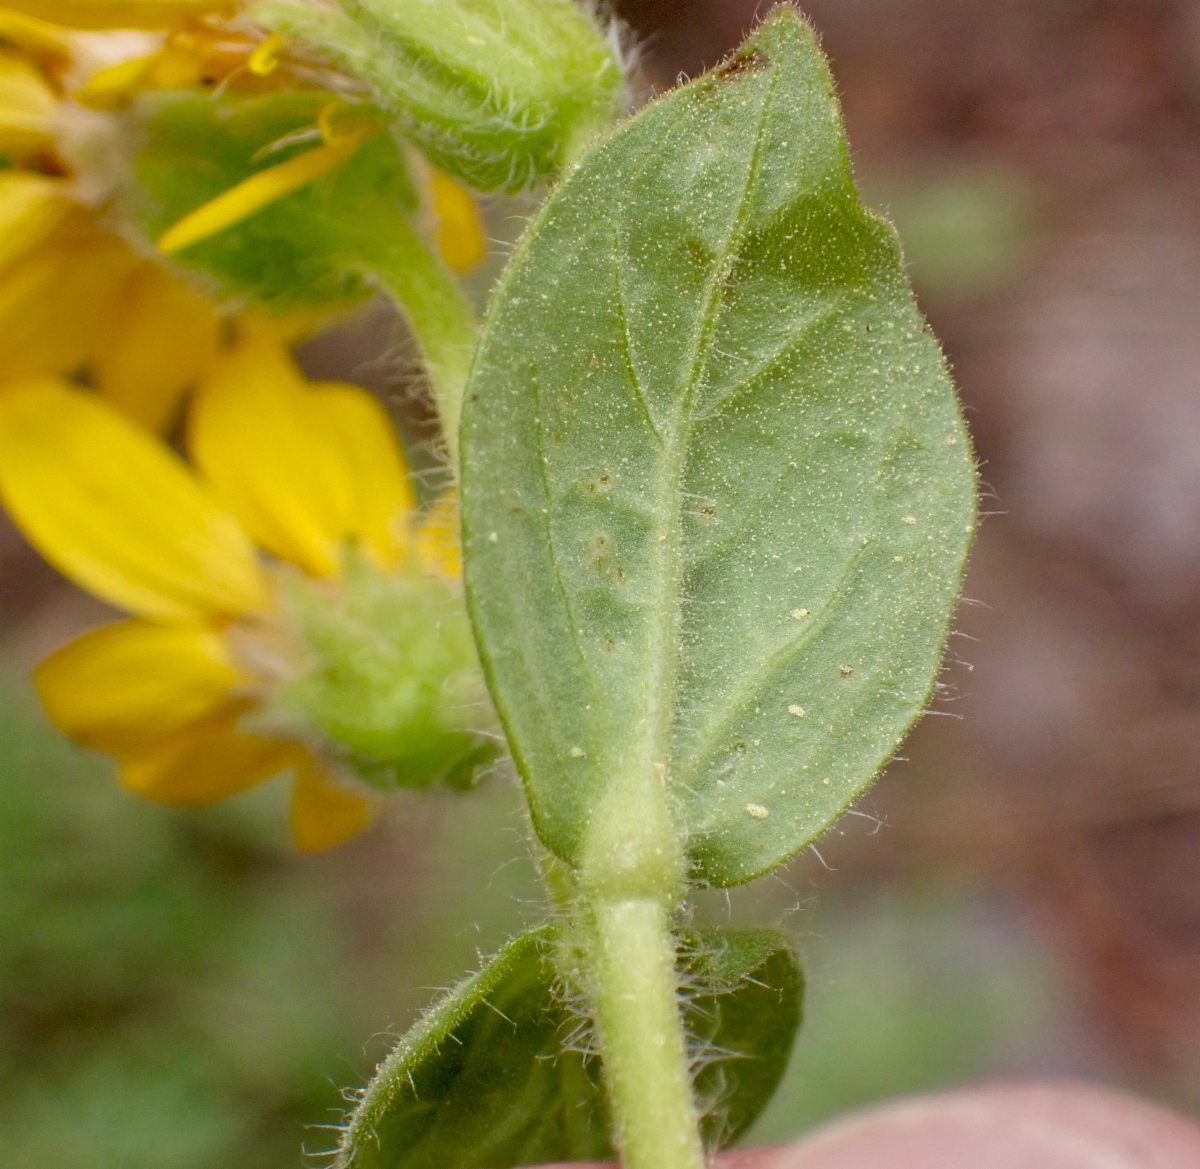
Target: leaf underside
pixel 717 492
pixel 483 1082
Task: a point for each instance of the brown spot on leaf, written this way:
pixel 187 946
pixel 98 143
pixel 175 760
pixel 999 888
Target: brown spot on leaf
pixel 751 62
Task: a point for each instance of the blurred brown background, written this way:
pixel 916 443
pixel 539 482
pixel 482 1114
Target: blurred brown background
pixel 1021 896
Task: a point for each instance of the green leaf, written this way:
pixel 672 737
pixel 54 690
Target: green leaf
pixel 481 1082
pixel 743 1015
pixel 717 492
pixel 484 1082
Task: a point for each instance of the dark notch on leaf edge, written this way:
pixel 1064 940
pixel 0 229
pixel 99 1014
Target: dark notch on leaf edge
pixel 755 60
pixel 751 62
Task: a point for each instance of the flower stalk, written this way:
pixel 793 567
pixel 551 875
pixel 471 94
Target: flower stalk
pixel 437 312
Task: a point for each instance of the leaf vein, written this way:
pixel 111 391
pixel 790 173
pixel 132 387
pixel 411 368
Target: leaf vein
pixel 665 690
pixel 710 742
pixel 540 457
pixel 627 343
pixel 770 364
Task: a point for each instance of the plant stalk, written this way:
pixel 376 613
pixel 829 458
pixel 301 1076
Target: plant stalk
pixel 438 314
pixel 638 1022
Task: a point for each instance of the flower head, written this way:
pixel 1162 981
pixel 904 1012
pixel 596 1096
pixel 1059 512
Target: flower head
pixel 76 298
pixel 83 292
pixel 290 609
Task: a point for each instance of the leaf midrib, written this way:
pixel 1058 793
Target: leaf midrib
pixel 662 678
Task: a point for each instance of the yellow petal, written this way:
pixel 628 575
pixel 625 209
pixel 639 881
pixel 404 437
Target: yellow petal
pixel 206 762
pixel 383 501
pixel 105 14
pixel 303 468
pixel 251 437
pixel 124 686
pixel 459 233
pixel 322 814
pixel 44 43
pixel 114 87
pixel 437 543
pixel 28 107
pixel 256 192
pixel 184 62
pixel 56 301
pixel 31 206
pixel 116 511
pixel 165 336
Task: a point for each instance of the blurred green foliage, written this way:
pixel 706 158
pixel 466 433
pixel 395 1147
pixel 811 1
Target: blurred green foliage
pixel 966 230
pixel 178 991
pixel 913 991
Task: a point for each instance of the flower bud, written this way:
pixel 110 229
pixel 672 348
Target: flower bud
pixel 497 93
pixel 385 680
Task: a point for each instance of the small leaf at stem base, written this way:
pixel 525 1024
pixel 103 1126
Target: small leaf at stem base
pixel 488 1080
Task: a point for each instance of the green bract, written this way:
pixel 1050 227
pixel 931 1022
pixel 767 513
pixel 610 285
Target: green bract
pixel 493 1077
pixel 498 93
pixel 717 493
pixel 300 251
pixel 329 242
pixel 385 678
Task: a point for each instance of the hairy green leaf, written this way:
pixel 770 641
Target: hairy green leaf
pixel 484 1080
pixel 742 1016
pixel 481 1081
pixel 717 493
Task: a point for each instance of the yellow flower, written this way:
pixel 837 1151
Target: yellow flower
pixel 75 298
pixel 196 51
pixel 113 14
pixel 299 470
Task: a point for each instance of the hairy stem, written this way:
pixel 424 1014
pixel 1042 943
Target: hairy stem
pixel 640 1029
pixel 630 880
pixel 438 314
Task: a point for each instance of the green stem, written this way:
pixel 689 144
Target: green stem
pixel 437 312
pixel 630 879
pixel 638 1023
